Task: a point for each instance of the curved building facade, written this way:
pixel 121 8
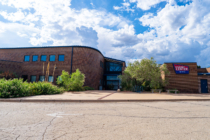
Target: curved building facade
pixel 31 64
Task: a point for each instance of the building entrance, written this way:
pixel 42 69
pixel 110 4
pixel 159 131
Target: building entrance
pixel 204 86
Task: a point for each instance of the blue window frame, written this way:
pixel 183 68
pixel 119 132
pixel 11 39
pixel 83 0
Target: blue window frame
pixel 43 57
pixel 33 78
pixel 52 57
pixel 35 58
pixel 61 57
pixel 27 58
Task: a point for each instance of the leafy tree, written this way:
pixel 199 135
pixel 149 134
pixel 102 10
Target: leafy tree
pixel 148 70
pixel 73 82
pixel 127 82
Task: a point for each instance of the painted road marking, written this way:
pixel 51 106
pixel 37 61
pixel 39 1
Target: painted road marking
pixel 61 114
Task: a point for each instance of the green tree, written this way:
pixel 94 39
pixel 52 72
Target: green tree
pixel 127 82
pixel 148 70
pixel 73 82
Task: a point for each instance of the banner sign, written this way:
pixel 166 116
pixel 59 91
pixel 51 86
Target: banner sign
pixel 181 69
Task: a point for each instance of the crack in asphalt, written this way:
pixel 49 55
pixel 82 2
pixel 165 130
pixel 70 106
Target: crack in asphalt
pixel 43 135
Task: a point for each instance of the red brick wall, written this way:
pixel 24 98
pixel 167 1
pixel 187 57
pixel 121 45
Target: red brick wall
pixel 86 59
pixel 185 83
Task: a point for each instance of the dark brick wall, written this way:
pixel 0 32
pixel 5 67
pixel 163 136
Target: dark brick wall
pixel 185 83
pixel 88 61
pixel 85 59
pixel 36 68
pixel 202 70
pixel 12 67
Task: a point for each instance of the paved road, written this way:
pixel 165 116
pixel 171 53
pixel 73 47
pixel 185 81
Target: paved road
pixel 105 121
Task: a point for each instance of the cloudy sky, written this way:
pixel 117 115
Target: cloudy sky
pixel 168 30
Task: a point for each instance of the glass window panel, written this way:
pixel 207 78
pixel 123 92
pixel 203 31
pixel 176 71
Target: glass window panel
pixel 112 78
pixel 52 57
pixel 43 58
pixel 61 58
pixel 50 78
pixel 116 87
pixel 35 58
pixel 33 78
pixel 113 66
pixel 27 58
pixel 41 78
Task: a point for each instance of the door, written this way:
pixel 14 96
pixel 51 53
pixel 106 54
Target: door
pixel 204 86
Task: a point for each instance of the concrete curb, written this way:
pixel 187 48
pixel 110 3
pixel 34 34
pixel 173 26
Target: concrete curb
pixel 99 101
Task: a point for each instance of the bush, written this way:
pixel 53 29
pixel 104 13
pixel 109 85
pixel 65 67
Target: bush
pixel 44 88
pixel 14 88
pixel 73 82
pixel 88 88
pixel 18 88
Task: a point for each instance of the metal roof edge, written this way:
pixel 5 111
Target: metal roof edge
pixel 53 47
pixel 114 59
pixel 179 62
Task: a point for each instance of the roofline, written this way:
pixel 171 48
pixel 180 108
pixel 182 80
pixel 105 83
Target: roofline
pixel 203 73
pixel 114 59
pixel 53 47
pixel 61 47
pixel 180 62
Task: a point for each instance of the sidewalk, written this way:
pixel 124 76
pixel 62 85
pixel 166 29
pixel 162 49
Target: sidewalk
pixel 110 96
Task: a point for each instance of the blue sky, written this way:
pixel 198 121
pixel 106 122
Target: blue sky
pixel 168 30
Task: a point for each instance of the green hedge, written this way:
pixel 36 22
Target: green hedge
pixel 18 88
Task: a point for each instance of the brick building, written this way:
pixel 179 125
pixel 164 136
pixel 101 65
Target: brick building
pixel 187 78
pixel 31 64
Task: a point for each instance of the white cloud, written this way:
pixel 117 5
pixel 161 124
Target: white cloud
pixel 125 7
pixel 176 33
pixel 146 4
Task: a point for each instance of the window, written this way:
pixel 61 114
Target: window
pixel 43 57
pixel 25 77
pixel 110 66
pixel 113 84
pixel 50 78
pixel 27 58
pixel 52 57
pixel 112 78
pixel 101 64
pixel 42 78
pixel 61 57
pixel 33 78
pixel 35 58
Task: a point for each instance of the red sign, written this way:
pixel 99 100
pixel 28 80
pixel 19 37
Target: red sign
pixel 181 69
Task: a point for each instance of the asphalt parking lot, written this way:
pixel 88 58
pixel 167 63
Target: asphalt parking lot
pixel 106 121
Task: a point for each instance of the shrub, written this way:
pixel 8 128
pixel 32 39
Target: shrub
pixel 18 88
pixel 88 88
pixel 43 88
pixel 8 75
pixel 73 82
pixel 14 88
